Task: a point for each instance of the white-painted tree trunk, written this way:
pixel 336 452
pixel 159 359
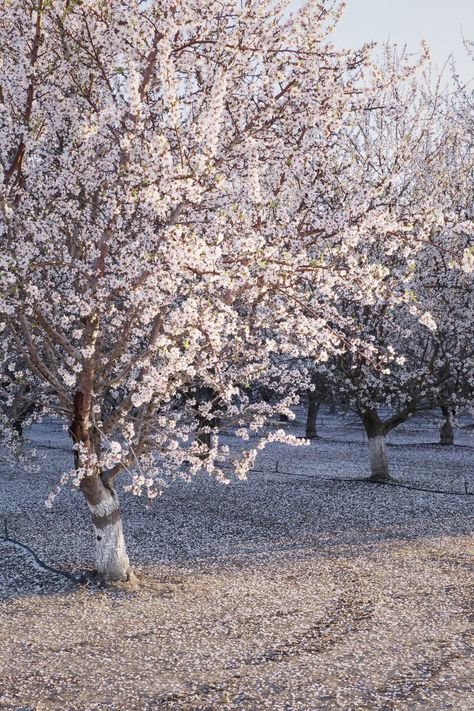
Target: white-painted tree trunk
pixel 112 561
pixel 378 458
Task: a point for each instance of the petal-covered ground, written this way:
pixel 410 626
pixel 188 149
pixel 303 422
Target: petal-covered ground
pixel 288 591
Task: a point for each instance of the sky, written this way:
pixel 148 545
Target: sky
pixel 440 22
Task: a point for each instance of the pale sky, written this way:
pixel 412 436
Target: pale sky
pixel 440 22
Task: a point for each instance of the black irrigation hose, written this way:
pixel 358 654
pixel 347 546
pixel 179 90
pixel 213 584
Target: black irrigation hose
pixel 78 579
pixel 419 488
pixel 394 484
pixel 358 480
pixel 52 446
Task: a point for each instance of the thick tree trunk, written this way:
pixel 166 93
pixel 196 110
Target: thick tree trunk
pixel 446 435
pixel 112 561
pixel 377 447
pixel 313 408
pixel 378 459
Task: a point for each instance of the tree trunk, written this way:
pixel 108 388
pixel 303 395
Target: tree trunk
pixel 313 408
pixel 377 448
pixel 446 435
pixel 205 423
pixel 378 459
pixel 204 438
pixel 332 407
pixel 112 561
pixel 18 427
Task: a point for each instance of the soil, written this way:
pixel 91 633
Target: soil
pixel 290 591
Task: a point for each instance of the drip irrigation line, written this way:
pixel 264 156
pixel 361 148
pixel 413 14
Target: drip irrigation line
pixel 78 579
pixel 357 480
pixel 419 488
pixel 393 484
pixel 58 448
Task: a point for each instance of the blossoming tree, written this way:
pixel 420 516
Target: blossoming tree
pixel 419 351
pixel 156 224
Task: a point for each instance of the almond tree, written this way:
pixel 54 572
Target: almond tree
pixel 420 343
pixel 156 220
pixel 447 284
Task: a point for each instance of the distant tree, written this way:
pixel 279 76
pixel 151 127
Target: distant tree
pixel 420 349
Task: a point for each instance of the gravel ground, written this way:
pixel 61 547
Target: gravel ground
pixel 290 591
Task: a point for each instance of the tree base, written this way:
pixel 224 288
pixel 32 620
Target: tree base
pixel 131 584
pixel 380 478
pixel 94 578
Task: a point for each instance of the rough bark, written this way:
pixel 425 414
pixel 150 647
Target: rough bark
pixel 446 435
pixel 378 459
pixel 376 432
pixel 112 561
pixel 311 417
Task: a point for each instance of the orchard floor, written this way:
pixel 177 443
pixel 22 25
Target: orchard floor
pixel 290 591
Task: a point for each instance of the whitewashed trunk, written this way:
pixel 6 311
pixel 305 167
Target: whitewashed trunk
pixel 112 561
pixel 378 458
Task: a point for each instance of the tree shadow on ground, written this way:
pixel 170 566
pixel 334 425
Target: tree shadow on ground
pixel 206 527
